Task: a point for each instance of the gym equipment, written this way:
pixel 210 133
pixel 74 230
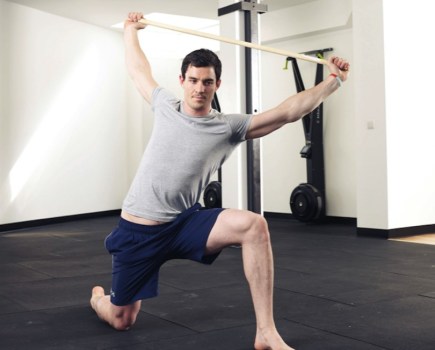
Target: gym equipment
pixel 233 41
pixel 307 200
pixel 251 13
pixel 213 195
pixel 213 192
pixel 251 9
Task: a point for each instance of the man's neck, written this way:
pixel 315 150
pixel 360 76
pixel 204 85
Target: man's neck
pixel 195 112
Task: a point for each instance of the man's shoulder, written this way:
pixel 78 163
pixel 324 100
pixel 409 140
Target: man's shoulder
pixel 163 96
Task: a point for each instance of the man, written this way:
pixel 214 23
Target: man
pixel 160 219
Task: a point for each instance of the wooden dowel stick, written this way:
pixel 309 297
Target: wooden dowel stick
pixel 234 41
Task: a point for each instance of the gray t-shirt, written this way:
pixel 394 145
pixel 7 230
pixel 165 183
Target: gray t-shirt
pixel 182 154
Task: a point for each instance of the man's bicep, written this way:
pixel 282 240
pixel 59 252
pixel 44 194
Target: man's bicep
pixel 264 123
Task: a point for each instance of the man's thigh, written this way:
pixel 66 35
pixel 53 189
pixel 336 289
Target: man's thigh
pixel 230 229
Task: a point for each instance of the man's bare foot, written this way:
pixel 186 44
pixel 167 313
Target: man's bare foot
pixel 97 294
pixel 270 340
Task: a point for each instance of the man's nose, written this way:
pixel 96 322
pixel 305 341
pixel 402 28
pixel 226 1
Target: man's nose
pixel 201 86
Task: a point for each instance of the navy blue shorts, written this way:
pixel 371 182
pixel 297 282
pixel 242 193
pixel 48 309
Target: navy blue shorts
pixel 138 251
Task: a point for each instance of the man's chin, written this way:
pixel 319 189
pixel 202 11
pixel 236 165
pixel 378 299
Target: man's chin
pixel 198 105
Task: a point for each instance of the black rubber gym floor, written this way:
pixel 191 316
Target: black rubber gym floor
pixel 333 290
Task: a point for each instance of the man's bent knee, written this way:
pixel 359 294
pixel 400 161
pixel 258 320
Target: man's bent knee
pixel 259 231
pixel 251 221
pixel 235 226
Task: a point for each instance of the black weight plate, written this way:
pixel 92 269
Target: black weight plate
pixel 213 195
pixel 306 202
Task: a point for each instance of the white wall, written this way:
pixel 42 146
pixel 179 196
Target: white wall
pixel 63 128
pixel 73 127
pixel 368 70
pixel 410 115
pixel 396 170
pixel 315 25
pixel 3 91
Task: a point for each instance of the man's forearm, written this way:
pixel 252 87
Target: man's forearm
pixel 295 107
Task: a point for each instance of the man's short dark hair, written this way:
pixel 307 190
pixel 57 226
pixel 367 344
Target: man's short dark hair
pixel 202 58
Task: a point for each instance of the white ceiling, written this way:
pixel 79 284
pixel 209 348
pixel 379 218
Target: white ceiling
pixel 107 12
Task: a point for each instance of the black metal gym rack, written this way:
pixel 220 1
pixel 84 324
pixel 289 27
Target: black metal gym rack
pixel 213 192
pixel 251 10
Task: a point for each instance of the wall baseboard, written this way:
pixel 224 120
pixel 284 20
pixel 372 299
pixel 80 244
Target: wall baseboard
pixel 325 220
pixel 364 232
pixel 58 220
pixel 395 232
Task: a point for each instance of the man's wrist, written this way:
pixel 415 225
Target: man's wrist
pixel 336 77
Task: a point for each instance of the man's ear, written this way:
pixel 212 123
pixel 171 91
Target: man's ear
pixel 218 84
pixel 181 79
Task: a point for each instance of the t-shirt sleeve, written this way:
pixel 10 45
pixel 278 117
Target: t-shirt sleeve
pixel 239 124
pixel 162 96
